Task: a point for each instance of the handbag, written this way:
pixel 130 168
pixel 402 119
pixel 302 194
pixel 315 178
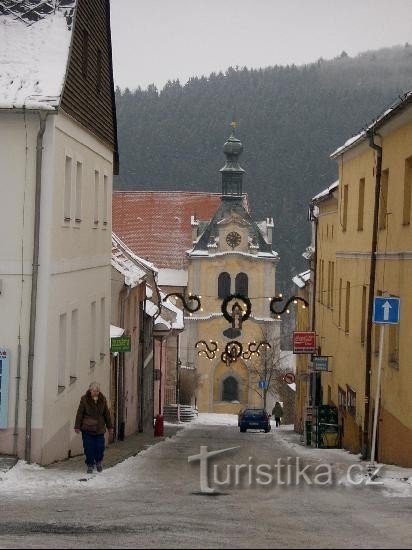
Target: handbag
pixel 89 424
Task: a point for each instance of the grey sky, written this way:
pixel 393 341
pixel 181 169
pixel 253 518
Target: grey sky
pixel 158 40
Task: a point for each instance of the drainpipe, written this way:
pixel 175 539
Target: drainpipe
pixel 35 272
pixel 372 277
pixel 315 377
pixel 142 339
pixel 17 402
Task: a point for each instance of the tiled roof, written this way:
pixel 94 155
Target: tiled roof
pixel 156 224
pixel 35 38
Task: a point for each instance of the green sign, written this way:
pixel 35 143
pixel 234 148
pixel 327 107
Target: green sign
pixel 121 343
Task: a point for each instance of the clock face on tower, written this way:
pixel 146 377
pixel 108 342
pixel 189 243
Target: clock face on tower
pixel 233 239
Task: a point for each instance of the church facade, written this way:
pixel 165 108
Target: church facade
pixel 233 339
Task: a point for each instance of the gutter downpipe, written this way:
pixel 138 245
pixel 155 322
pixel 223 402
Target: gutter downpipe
pixel 33 297
pixel 372 278
pixel 312 390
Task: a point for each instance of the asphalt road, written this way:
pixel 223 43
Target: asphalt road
pixel 264 504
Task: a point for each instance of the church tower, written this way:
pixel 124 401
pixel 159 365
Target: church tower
pixel 231 256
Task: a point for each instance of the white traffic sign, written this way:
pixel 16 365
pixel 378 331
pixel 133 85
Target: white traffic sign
pixel 386 310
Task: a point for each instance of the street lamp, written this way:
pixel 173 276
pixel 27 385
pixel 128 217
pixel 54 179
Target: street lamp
pixel 160 332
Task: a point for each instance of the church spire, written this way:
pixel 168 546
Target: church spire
pixel 232 172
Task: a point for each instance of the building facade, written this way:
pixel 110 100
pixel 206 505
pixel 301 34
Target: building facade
pixel 364 250
pixel 57 164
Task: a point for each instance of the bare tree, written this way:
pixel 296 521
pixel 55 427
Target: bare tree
pixel 188 383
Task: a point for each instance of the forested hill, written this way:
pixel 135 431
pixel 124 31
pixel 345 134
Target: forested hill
pixel 289 119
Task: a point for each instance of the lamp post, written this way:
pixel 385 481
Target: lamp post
pixel 160 332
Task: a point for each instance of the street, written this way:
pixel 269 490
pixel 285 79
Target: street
pixel 156 499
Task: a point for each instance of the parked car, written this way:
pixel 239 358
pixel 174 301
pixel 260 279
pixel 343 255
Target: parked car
pixel 256 419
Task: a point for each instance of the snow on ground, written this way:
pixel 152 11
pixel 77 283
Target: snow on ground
pixel 25 480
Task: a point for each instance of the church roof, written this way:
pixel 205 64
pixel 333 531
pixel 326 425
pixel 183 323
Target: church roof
pixel 156 225
pixel 35 38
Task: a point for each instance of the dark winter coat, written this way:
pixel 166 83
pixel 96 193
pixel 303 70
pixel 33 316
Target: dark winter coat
pixel 277 410
pixel 93 416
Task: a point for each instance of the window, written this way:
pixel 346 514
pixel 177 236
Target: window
pixel 74 345
pixel 347 306
pixel 67 189
pixel 363 316
pixel 351 401
pixel 103 338
pixel 345 207
pixel 407 191
pixel 93 334
pixel 78 201
pixel 230 389
pixel 62 357
pixel 341 398
pixel 340 303
pixel 383 202
pixel 223 285
pixel 361 204
pixel 332 284
pixel 105 199
pixel 85 53
pixel 393 348
pixel 96 197
pixel 241 284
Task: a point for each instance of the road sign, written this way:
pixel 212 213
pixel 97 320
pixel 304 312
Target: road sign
pixel 386 310
pixel 263 384
pixel 289 378
pixel 320 363
pixel 304 342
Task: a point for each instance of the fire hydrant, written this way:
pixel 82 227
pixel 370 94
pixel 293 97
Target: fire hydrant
pixel 158 428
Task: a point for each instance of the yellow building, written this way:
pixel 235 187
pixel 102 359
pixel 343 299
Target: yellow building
pixel 364 249
pixel 231 255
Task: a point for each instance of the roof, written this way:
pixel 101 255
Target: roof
pixel 35 37
pixel 323 195
pixel 156 225
pixel 131 266
pixel 301 279
pixel 399 105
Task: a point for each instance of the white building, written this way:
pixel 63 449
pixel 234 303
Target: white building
pixel 58 151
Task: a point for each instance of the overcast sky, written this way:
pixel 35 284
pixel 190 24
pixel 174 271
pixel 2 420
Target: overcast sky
pixel 157 40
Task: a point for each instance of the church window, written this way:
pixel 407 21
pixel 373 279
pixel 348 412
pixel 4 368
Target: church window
pixel 230 389
pixel 223 285
pixel 241 284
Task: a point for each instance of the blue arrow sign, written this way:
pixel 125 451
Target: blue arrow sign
pixel 386 310
pixel 263 384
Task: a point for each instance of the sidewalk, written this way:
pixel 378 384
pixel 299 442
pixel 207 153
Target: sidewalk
pixel 118 451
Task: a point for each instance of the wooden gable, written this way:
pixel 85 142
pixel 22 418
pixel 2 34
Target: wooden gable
pixel 88 94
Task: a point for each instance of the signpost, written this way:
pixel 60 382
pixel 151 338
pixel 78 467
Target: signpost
pixel 385 312
pixel 304 342
pixel 120 344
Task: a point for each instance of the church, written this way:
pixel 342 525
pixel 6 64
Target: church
pixel 233 339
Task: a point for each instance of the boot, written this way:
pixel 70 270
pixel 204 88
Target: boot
pixel 99 467
pixel 89 469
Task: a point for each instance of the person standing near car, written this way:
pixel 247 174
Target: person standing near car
pixel 92 418
pixel 277 412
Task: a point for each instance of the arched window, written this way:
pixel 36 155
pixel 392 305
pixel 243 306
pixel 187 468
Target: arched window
pixel 223 285
pixel 230 390
pixel 241 284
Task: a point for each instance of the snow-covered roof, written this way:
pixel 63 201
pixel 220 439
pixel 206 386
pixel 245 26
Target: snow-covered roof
pixel 115 332
pixel 326 192
pixel 205 253
pixel 35 37
pixel 400 104
pixel 301 279
pixel 124 261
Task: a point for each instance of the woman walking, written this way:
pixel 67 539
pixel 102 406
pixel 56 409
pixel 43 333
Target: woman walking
pixel 93 416
pixel 277 412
